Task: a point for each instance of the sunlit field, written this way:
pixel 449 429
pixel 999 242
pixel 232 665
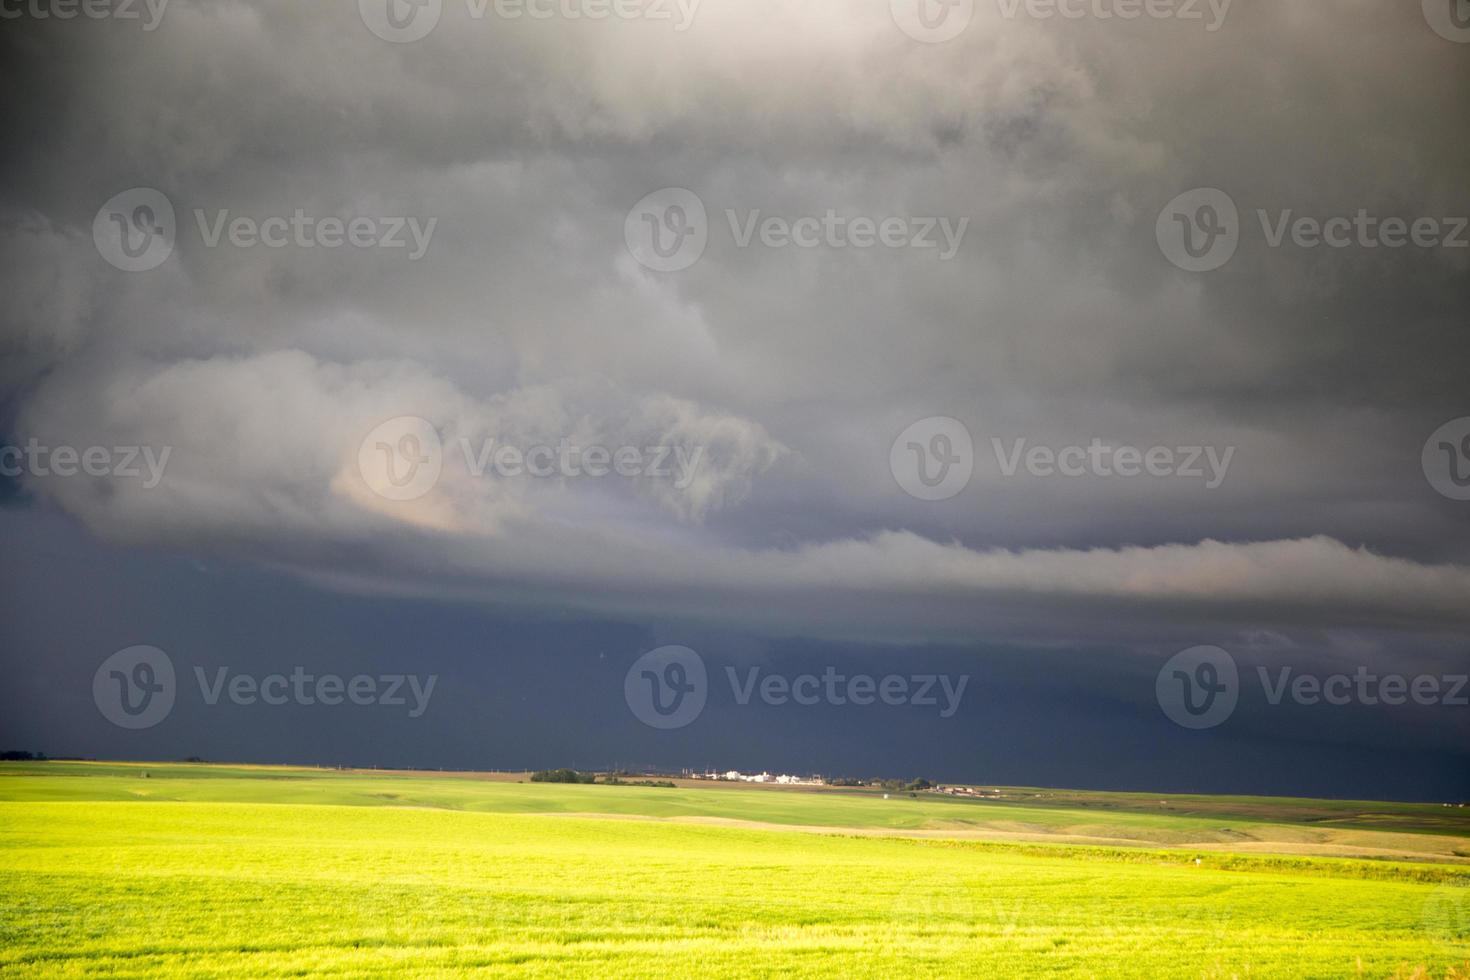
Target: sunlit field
pixel 194 870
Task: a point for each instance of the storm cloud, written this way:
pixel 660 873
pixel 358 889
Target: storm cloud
pixel 791 368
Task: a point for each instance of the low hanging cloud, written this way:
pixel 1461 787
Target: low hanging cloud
pixel 265 450
pixel 900 586
pixel 272 444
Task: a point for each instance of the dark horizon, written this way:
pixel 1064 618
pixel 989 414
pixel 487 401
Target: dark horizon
pixel 536 693
pixel 685 772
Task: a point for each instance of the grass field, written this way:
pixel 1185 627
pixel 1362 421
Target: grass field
pixel 266 872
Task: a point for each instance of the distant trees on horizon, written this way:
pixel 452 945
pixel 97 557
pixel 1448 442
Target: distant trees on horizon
pixel 562 776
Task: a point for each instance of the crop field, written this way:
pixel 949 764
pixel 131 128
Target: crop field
pixel 175 870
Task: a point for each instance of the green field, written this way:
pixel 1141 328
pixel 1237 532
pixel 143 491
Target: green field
pixel 266 872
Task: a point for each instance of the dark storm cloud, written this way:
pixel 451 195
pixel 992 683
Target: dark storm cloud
pixel 1058 321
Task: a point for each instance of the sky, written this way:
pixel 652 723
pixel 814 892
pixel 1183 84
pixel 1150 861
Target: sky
pixel 1099 370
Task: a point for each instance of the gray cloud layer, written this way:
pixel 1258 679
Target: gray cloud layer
pixel 527 320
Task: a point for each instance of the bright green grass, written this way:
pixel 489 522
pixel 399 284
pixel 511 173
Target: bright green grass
pixel 103 876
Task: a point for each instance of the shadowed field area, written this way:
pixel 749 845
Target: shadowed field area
pixel 1408 831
